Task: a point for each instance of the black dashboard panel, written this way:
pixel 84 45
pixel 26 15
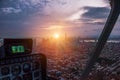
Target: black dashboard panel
pixel 13 47
pixel 27 67
pixel 19 63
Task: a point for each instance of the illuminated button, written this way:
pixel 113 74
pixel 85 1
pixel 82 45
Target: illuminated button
pixel 27 67
pixel 17 78
pixel 6 78
pixel 5 70
pixel 16 69
pixel 27 76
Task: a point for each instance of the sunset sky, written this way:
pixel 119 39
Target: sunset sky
pixel 40 18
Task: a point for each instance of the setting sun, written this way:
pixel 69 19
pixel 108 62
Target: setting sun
pixel 56 35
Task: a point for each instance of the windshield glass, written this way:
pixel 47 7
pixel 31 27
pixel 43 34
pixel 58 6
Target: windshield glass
pixel 46 18
pixel 66 31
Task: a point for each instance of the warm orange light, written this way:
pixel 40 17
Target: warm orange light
pixel 56 35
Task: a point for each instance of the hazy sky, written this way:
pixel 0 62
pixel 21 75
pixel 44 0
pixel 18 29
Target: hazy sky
pixel 36 18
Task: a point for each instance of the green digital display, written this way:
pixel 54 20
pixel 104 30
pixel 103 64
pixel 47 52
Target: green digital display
pixel 18 49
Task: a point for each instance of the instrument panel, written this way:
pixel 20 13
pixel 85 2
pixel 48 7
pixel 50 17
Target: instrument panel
pixel 29 67
pixel 19 63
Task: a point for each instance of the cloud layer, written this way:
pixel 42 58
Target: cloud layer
pixel 30 17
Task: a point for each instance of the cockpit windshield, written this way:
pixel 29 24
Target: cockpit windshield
pixel 66 31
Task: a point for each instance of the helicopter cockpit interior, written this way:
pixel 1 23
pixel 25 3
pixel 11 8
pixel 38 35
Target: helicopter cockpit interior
pixel 18 61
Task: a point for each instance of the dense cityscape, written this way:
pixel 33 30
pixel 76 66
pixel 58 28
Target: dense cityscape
pixel 67 58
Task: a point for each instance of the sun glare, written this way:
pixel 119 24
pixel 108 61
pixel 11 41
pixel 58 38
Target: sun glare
pixel 56 35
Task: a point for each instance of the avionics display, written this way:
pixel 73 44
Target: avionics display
pixel 18 49
pixel 17 46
